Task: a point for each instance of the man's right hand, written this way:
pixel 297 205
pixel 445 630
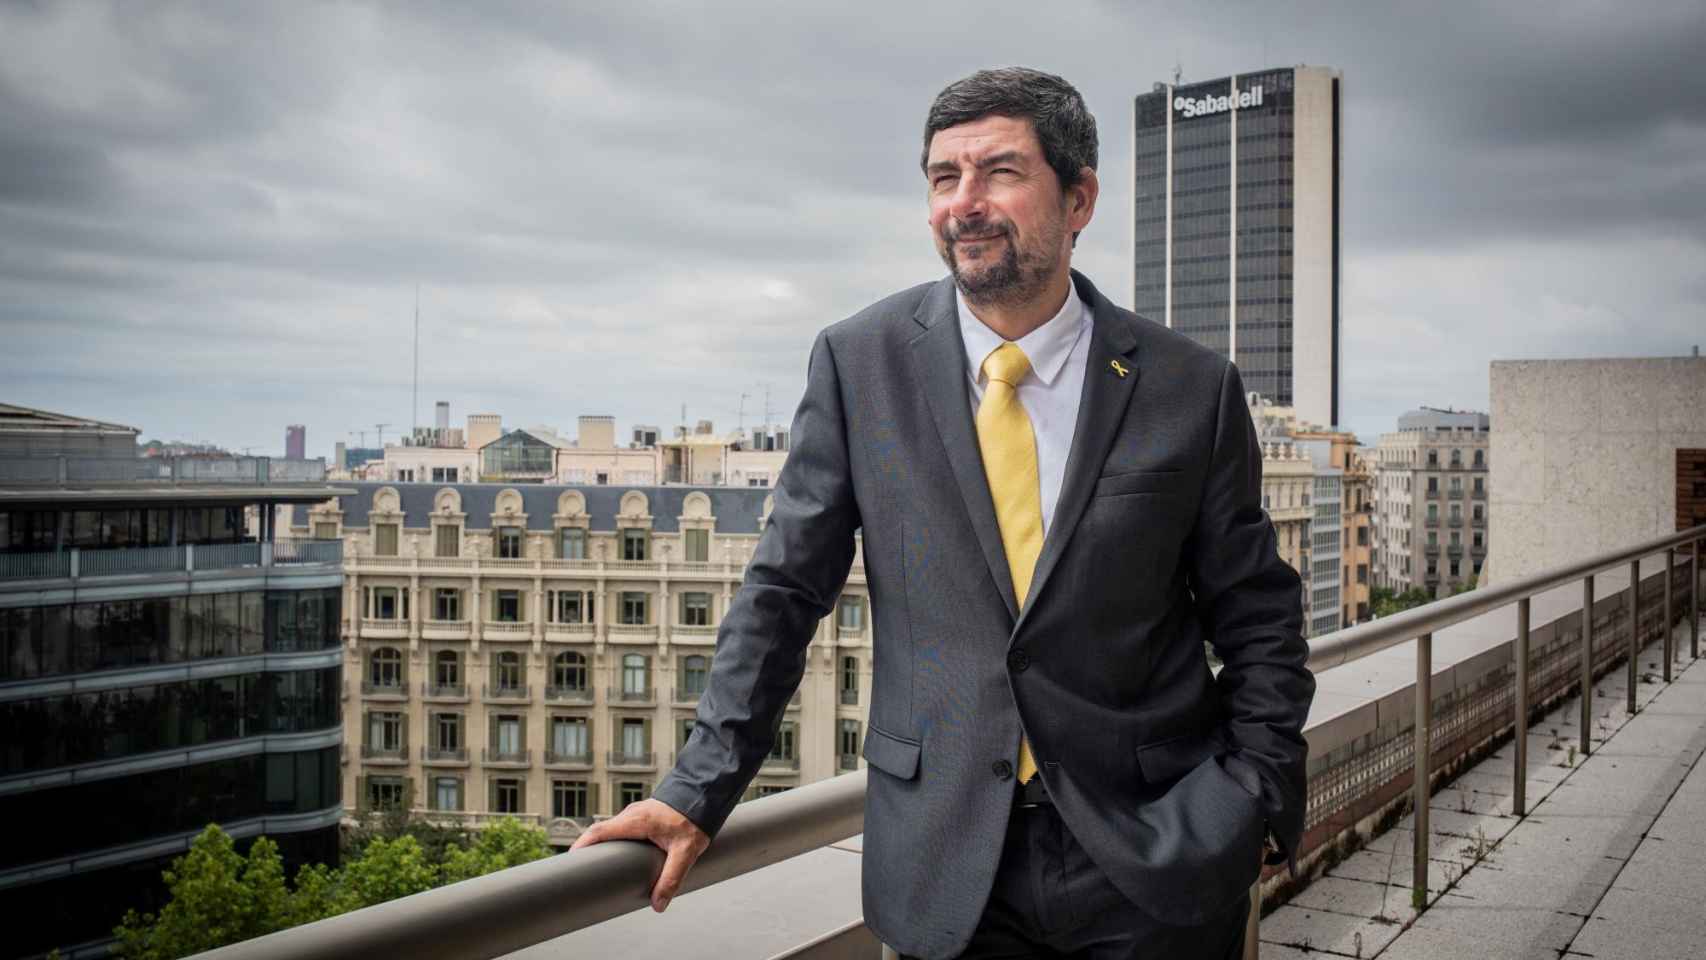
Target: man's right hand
pixel 658 823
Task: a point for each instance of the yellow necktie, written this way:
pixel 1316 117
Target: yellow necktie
pixel 1010 463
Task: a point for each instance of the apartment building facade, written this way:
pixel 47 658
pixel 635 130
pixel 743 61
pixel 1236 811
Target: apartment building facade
pixel 538 651
pixel 1431 501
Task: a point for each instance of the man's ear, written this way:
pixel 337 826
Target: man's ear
pixel 1081 200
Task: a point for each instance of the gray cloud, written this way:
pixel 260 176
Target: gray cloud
pixel 213 218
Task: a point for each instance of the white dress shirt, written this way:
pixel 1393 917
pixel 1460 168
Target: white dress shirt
pixel 1058 351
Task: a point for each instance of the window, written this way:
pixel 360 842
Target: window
pixel 385 793
pixel 387 603
pixel 1480 458
pixel 634 542
pixel 634 608
pixel 509 671
pixel 507 735
pixel 569 606
pixel 636 739
pixel 569 740
pixel 1433 513
pixel 1457 512
pixel 695 671
pixel 695 609
pixel 628 791
pixel 508 543
pixel 447 669
pixel 782 751
pixel 850 680
pixel 406 474
pixel 385 669
pixel 447 604
pixel 569 799
pixel 1480 512
pixel 571 543
pixel 325 531
pixel 1362 536
pixel 684 731
pixel 698 546
pixel 447 731
pixel 384 539
pixel 447 540
pixel 1479 540
pixel 850 615
pixel 772 789
pixel 1454 568
pixel 634 674
pixel 849 744
pixel 1362 573
pixel 444 474
pixel 447 793
pixel 385 732
pixel 1433 484
pixel 568 671
pixel 507 795
pixel 506 606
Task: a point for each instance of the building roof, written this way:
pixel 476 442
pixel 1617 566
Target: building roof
pixel 16 418
pixel 737 509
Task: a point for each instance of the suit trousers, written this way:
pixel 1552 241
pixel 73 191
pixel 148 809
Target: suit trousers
pixel 1051 900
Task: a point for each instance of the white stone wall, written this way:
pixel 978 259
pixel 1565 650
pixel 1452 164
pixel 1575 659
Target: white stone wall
pixel 1583 455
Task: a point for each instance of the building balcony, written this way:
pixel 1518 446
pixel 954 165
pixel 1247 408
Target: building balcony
pixel 379 753
pixel 685 697
pixel 445 756
pixel 384 691
pixel 693 634
pixel 569 632
pixel 378 629
pixel 572 758
pixel 87 563
pixel 631 633
pixel 849 761
pixel 1480 494
pixel 446 630
pixel 1454 550
pixel 444 691
pixel 1433 495
pixel 1455 522
pixel 1456 494
pixel 631 761
pixel 850 698
pixel 617 695
pixel 507 694
pixel 495 757
pixel 506 630
pixel 775 764
pixel 557 694
pixel 1431 550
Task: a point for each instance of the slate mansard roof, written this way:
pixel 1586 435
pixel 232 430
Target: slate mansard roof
pixel 736 509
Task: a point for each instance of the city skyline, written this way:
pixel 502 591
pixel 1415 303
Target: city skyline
pixel 621 212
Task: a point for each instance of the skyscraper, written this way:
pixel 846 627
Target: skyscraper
pixel 1247 264
pixel 295 442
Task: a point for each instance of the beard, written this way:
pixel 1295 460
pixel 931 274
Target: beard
pixel 1020 275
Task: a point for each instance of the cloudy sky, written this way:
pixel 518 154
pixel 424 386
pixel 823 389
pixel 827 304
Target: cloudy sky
pixel 213 218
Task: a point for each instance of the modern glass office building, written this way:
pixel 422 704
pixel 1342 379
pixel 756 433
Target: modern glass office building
pixel 165 663
pixel 1235 239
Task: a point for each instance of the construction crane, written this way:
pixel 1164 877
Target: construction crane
pixel 381 428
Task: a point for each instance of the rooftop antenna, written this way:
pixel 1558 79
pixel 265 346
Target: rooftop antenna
pixel 1178 69
pixel 381 428
pixel 361 436
pixel 415 394
pixel 740 418
pixel 768 420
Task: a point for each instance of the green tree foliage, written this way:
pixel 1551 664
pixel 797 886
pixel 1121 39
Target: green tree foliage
pixel 1384 602
pixel 218 896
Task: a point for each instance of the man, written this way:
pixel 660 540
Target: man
pixel 1059 503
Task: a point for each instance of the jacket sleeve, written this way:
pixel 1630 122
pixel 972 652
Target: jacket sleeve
pixel 797 571
pixel 1250 603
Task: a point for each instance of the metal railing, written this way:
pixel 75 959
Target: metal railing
pixel 70 471
pixel 80 562
pixel 506 911
pixel 562 694
pixel 623 758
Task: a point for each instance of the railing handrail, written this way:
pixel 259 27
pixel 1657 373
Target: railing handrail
pixel 506 911
pixel 1354 643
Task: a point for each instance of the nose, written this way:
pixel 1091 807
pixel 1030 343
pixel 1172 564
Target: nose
pixel 969 200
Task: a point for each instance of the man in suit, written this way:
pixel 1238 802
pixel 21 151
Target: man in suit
pixel 1059 503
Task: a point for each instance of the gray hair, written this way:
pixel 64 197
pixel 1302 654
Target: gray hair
pixel 1064 125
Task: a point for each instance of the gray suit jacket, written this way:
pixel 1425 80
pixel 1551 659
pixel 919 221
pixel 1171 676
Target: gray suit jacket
pixel 1164 772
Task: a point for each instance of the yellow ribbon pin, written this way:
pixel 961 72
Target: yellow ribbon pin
pixel 1122 371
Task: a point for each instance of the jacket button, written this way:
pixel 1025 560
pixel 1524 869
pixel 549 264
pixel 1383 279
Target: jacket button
pixel 1018 660
pixel 1003 770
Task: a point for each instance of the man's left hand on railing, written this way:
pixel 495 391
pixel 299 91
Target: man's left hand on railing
pixel 659 824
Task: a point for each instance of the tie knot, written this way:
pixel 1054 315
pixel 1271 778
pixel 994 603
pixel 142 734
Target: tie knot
pixel 1007 364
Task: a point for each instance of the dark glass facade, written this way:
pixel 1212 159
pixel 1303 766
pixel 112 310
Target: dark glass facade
pixel 34 531
pixel 1219 231
pixel 117 634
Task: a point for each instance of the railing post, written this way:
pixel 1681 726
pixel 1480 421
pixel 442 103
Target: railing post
pixel 76 554
pixel 189 558
pixel 1587 664
pixel 1694 600
pixel 1670 606
pixel 1634 632
pixel 1519 731
pixel 1419 788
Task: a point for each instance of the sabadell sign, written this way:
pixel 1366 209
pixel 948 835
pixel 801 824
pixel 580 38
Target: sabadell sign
pixel 1211 105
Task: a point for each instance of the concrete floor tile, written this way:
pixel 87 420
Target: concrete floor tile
pixel 1423 943
pixel 1601 938
pixel 1314 930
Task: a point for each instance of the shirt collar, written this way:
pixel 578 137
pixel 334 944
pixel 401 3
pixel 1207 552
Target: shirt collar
pixel 1047 347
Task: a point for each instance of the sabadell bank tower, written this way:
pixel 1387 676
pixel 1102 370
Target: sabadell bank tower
pixel 1245 262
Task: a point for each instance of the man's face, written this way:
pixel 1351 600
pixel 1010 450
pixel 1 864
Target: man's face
pixel 999 216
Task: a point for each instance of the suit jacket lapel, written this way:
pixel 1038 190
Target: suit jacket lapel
pixel 1101 407
pixel 939 366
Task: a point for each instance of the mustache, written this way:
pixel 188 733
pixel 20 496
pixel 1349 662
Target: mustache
pixel 960 230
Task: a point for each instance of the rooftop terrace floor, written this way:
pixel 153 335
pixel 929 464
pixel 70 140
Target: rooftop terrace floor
pixel 1609 863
